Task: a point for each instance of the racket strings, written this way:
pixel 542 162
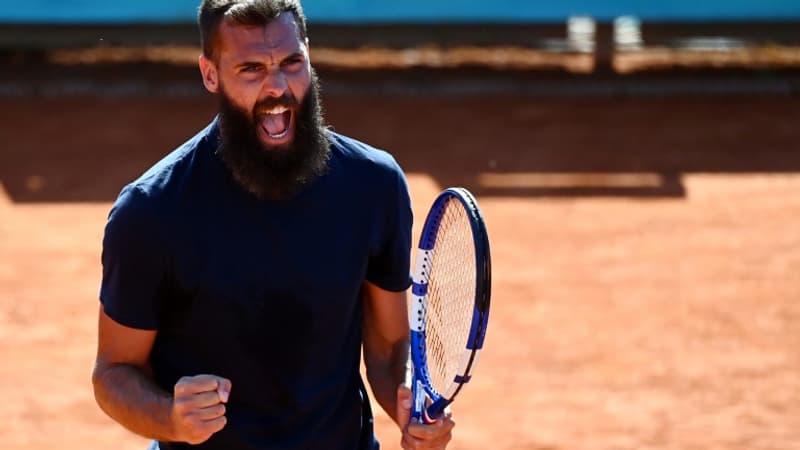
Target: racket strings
pixel 451 295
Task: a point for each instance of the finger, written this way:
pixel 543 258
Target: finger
pixel 214 425
pixel 201 430
pixel 224 389
pixel 404 402
pixel 196 384
pixel 440 427
pixel 409 442
pixel 198 401
pixel 412 443
pixel 406 443
pixel 210 413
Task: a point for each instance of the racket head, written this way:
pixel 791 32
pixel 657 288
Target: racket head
pixel 450 303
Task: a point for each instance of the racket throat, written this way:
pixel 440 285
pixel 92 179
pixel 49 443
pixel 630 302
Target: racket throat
pixel 437 408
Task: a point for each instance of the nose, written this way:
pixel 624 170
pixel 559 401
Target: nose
pixel 274 84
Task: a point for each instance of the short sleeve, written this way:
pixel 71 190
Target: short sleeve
pixel 389 268
pixel 134 262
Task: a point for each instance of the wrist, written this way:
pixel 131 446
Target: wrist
pixel 171 429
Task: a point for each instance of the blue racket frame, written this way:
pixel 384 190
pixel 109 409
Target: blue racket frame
pixel 421 385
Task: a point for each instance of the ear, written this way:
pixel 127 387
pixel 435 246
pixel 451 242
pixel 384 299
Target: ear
pixel 308 53
pixel 210 74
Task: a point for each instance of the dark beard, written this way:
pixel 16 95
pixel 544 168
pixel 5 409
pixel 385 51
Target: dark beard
pixel 274 173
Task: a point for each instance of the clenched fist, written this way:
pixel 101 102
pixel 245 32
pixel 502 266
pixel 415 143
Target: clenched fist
pixel 198 407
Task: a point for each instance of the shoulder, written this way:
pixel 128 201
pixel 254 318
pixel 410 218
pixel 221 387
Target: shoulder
pixel 363 156
pixel 167 173
pixel 154 198
pixel 164 181
pixel 373 172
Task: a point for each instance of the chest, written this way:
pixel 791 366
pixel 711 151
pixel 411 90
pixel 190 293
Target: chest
pixel 268 272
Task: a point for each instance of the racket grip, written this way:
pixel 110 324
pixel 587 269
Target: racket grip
pixel 409 372
pixel 416 390
pixel 418 406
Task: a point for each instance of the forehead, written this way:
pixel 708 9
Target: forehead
pixel 279 34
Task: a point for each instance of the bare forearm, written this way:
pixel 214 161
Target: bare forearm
pixel 385 374
pixel 129 396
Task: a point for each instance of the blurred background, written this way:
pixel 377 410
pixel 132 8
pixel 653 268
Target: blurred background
pixel 638 164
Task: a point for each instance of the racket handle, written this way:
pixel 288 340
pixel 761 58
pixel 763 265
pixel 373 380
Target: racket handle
pixel 409 372
pixel 417 392
pixel 418 406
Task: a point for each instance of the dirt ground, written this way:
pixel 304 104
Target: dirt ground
pixel 646 256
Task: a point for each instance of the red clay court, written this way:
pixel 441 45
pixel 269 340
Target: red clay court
pixel 646 253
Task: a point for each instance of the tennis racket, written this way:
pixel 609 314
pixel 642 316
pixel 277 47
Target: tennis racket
pixel 449 309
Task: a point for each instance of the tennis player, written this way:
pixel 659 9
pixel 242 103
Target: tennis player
pixel 243 273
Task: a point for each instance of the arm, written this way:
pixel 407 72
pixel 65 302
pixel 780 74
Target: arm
pixel 385 357
pixel 385 344
pixel 125 390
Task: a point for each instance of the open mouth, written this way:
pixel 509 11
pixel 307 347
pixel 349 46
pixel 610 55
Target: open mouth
pixel 276 122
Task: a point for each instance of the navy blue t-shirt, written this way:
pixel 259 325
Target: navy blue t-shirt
pixel 264 293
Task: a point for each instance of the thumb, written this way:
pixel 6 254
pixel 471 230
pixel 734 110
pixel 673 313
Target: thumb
pixel 404 402
pixel 224 389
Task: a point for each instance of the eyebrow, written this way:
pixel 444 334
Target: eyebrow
pixel 248 62
pixel 297 54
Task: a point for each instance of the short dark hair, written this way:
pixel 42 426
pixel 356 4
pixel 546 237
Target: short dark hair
pixel 243 12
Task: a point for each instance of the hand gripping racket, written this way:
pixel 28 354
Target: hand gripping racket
pixel 449 309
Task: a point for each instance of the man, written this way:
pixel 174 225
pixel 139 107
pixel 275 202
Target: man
pixel 243 273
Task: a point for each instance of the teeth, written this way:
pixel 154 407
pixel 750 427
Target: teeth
pixel 279 136
pixel 277 110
